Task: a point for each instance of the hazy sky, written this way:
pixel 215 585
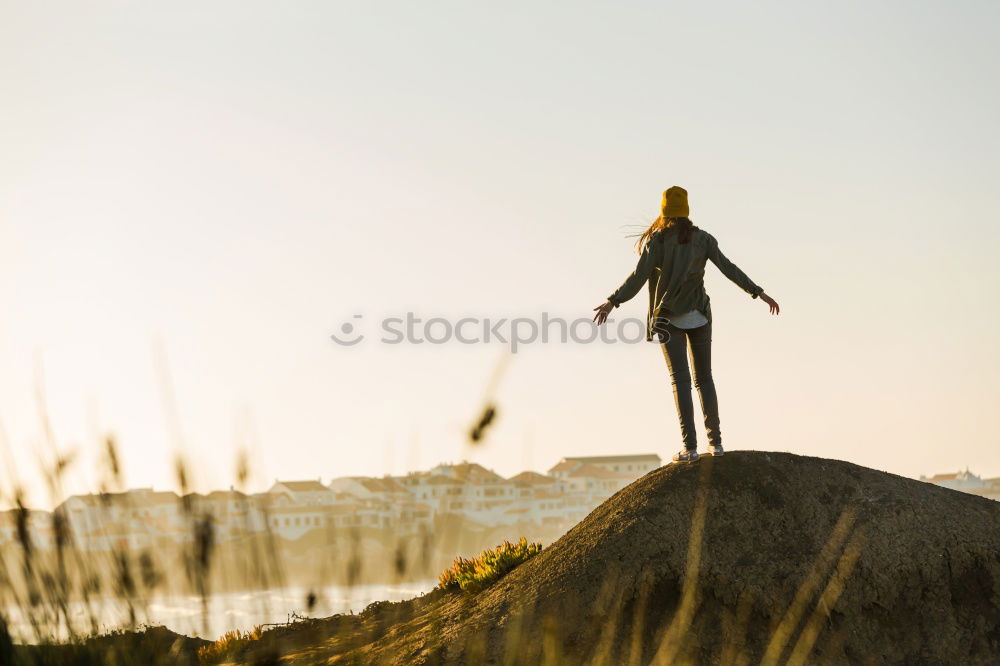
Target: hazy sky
pixel 195 195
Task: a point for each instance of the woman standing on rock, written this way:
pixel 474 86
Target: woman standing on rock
pixel 672 260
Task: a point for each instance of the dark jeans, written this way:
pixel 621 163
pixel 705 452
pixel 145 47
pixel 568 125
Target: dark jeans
pixel 674 342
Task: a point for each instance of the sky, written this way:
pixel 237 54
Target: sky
pixel 195 195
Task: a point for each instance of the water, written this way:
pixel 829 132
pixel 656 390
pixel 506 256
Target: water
pixel 225 612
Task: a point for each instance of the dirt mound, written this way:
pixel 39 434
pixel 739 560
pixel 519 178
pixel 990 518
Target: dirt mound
pixel 750 558
pixel 152 646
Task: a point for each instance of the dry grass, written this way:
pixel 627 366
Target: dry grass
pixel 230 643
pixel 43 584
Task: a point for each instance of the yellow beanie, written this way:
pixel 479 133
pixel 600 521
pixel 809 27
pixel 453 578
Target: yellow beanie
pixel 675 202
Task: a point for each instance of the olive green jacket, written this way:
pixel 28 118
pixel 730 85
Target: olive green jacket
pixel 675 275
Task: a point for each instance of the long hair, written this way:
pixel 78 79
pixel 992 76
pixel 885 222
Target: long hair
pixel 684 226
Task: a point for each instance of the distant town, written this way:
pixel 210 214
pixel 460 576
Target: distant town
pixel 405 505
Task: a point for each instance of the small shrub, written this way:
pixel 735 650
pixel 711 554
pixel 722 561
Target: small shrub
pixel 478 573
pixel 229 643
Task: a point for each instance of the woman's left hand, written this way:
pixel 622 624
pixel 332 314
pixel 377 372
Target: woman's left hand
pixel 603 310
pixel 771 303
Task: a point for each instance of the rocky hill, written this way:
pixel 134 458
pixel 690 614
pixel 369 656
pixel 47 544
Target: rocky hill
pixel 754 557
pixel 750 558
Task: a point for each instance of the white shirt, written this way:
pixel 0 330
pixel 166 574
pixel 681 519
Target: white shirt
pixel 690 319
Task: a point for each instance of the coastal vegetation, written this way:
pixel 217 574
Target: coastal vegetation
pixel 475 574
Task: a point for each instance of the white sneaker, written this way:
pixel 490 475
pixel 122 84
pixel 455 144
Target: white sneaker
pixel 686 455
pixel 715 450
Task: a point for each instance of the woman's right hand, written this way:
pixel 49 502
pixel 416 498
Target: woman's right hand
pixel 603 310
pixel 771 303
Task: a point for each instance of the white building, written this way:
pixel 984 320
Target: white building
pixel 588 479
pixel 528 482
pixel 436 490
pixel 235 514
pixel 292 521
pixel 545 499
pixel 633 465
pixel 967 482
pixel 37 526
pixel 303 492
pixel 138 518
pixel 387 489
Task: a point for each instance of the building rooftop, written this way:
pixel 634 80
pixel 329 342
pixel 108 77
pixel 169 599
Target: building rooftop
pixel 641 457
pixel 226 495
pixel 302 486
pixel 953 476
pixel 385 485
pixel 595 472
pixel 130 498
pixel 467 472
pixel 530 478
